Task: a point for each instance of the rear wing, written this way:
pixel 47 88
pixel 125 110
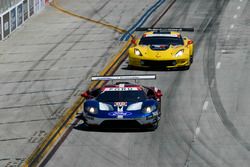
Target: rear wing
pixel 159 29
pixel 123 77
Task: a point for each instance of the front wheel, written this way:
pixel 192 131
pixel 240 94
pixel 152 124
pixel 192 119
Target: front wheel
pixel 129 67
pixel 154 126
pixel 191 59
pixel 185 68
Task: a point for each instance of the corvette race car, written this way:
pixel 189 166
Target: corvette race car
pixel 122 103
pixel 162 48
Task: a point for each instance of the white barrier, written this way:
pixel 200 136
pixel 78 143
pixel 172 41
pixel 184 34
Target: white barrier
pixel 16 15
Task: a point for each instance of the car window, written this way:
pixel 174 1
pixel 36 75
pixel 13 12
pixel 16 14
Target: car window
pixel 161 41
pixel 122 96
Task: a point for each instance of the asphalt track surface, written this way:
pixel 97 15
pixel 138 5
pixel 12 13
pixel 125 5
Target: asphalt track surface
pixel 205 110
pixel 205 121
pixel 45 65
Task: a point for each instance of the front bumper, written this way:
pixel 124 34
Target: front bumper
pixel 174 63
pixel 141 121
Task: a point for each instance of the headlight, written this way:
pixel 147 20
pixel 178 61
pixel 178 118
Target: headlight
pixel 180 53
pixel 149 109
pixel 135 106
pixel 91 110
pixel 105 107
pixel 137 52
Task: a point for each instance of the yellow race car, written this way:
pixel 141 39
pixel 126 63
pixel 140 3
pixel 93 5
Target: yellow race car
pixel 161 48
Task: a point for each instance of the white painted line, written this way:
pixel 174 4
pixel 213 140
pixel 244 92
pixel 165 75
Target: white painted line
pixel 240 0
pixel 235 16
pixel 212 84
pixel 218 65
pixel 205 105
pixel 210 19
pixel 238 8
pixel 232 26
pixel 223 51
pixel 197 131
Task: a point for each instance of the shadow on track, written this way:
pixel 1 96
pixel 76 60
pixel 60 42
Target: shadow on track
pixel 154 69
pixel 120 129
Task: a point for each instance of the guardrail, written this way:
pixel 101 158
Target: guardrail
pixel 16 15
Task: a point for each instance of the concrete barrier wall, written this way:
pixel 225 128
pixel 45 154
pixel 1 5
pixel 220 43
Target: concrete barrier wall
pixel 16 13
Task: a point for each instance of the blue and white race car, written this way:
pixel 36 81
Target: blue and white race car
pixel 122 103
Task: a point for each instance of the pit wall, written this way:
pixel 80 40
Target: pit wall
pixel 15 16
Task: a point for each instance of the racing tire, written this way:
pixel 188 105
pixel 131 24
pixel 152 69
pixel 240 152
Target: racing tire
pixel 129 67
pixel 154 126
pixel 191 59
pixel 185 68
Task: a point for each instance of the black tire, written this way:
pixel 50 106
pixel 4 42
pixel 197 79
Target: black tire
pixel 185 68
pixel 154 126
pixel 191 59
pixel 129 67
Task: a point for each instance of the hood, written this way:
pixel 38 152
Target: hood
pixel 121 106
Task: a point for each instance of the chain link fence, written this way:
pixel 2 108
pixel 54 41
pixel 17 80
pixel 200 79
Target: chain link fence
pixel 5 4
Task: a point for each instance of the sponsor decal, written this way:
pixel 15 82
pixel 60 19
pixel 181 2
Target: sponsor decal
pixel 114 114
pixel 19 15
pixel 6 24
pixel 161 35
pixel 31 7
pixel 13 19
pixel 122 89
pixel 120 104
pixel 25 10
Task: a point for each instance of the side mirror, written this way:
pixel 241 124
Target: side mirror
pixel 85 94
pixel 190 42
pixel 133 41
pixel 158 94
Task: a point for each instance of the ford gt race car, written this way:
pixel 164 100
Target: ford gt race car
pixel 162 48
pixel 122 104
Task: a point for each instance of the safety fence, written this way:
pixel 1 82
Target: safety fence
pixel 13 13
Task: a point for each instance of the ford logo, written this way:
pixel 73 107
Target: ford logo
pixel 113 114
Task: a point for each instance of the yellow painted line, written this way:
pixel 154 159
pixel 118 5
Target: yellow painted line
pixel 110 26
pixel 64 122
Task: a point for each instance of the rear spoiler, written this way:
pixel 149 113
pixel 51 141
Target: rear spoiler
pixel 123 77
pixel 159 29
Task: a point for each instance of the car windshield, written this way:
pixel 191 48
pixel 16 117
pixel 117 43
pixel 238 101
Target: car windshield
pixel 161 41
pixel 122 96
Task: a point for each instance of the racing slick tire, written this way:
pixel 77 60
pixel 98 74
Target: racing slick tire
pixel 154 126
pixel 129 67
pixel 187 67
pixel 191 59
